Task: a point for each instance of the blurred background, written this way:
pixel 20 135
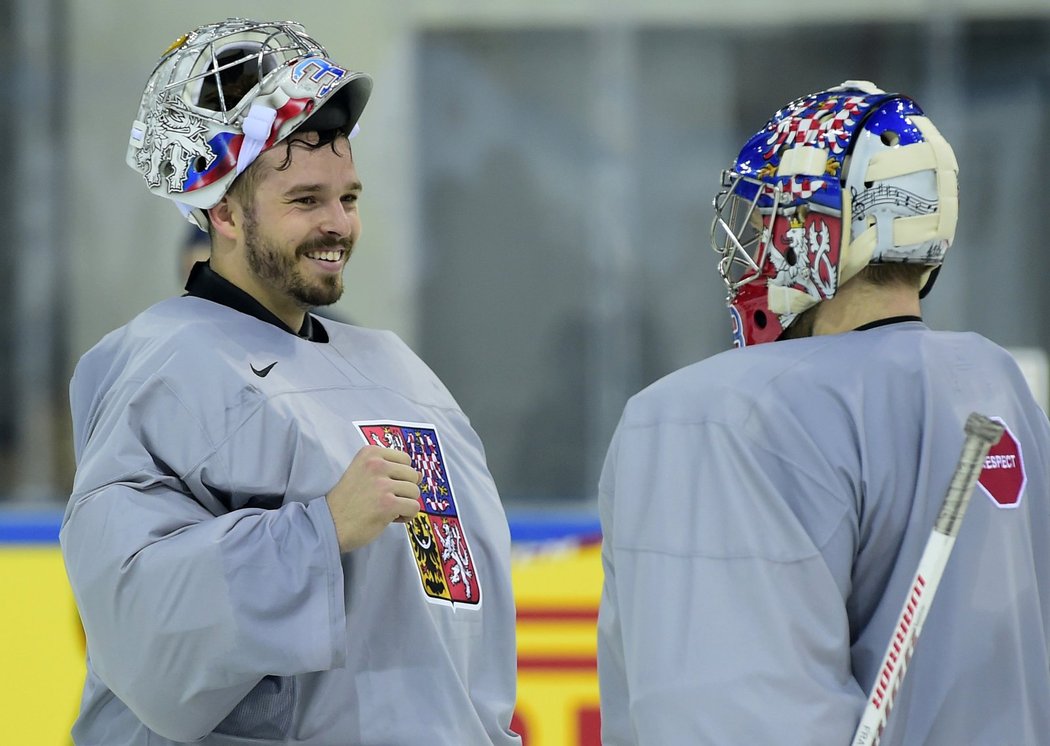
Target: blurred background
pixel 538 177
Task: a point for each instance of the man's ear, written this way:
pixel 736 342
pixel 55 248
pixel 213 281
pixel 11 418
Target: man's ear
pixel 225 218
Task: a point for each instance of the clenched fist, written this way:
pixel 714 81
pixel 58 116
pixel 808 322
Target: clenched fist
pixel 379 487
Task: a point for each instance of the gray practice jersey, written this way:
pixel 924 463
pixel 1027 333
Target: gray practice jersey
pixel 764 512
pixel 205 563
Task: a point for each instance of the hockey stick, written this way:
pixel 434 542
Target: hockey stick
pixel 981 434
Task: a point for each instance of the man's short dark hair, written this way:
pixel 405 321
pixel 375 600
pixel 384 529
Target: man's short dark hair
pixel 894 273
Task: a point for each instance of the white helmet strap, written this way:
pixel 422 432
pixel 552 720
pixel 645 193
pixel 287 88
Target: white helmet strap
pixel 195 215
pixel 256 128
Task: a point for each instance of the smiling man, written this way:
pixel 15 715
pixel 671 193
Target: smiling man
pixel 287 241
pixel 281 531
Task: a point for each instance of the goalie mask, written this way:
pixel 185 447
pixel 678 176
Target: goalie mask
pixel 835 181
pixel 224 93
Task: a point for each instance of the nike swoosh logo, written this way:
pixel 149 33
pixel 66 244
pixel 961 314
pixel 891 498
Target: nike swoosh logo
pixel 265 371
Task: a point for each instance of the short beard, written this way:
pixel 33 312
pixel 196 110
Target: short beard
pixel 275 268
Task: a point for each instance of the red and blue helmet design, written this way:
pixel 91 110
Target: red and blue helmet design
pixel 835 181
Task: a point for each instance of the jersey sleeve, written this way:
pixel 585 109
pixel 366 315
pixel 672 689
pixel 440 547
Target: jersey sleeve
pixel 720 621
pixel 612 673
pixel 185 609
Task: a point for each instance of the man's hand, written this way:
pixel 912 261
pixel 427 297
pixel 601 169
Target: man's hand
pixel 379 487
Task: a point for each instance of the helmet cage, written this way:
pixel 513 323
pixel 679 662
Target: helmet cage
pixel 219 58
pixel 740 232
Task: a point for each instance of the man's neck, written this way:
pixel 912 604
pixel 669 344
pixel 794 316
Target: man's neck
pixel 859 302
pixel 238 274
pixel 205 283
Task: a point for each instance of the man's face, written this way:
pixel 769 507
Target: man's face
pixel 301 225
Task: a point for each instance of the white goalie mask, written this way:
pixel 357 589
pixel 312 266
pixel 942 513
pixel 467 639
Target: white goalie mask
pixel 224 93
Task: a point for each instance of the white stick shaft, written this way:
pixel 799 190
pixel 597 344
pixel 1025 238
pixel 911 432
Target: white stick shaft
pixel 905 633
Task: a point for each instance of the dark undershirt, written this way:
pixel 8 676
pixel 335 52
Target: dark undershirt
pixel 205 283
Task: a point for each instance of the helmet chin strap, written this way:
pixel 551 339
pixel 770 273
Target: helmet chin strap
pixel 193 214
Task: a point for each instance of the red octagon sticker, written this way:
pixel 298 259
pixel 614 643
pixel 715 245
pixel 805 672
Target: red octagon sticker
pixel 1003 476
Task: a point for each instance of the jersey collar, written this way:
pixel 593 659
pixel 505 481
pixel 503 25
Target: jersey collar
pixel 206 283
pixel 886 321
